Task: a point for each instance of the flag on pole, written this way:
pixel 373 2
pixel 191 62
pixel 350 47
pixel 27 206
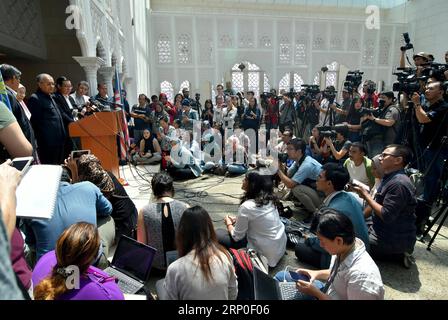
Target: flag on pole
pixel 4 94
pixel 124 133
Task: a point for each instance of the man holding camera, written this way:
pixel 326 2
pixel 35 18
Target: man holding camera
pixel 340 148
pixel 301 178
pixel 325 107
pixel 370 97
pixel 392 234
pixel 342 112
pixel 384 125
pixel 435 122
pixel 286 113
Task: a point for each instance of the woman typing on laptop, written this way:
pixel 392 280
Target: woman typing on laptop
pixel 68 273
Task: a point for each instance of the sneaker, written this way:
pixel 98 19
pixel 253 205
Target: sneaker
pixel 408 260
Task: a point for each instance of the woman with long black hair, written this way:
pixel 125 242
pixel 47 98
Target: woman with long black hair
pixel 258 222
pixel 204 270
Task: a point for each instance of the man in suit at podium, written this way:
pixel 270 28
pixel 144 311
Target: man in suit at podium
pixel 47 122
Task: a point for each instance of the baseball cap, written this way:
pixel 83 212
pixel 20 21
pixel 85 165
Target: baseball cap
pixel 423 55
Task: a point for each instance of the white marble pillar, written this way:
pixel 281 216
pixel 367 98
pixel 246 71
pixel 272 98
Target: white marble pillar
pixel 91 66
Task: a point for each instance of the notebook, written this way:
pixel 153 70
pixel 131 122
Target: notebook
pixel 37 192
pixel 131 264
pixel 267 288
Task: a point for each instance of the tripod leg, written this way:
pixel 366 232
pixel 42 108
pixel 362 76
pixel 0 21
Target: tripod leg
pixel 445 209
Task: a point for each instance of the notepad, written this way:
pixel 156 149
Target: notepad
pixel 37 192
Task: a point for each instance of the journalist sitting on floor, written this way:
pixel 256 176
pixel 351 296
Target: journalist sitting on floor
pixel 332 181
pixel 392 234
pixel 301 177
pixel 353 275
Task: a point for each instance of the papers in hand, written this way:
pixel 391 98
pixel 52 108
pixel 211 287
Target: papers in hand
pixel 37 192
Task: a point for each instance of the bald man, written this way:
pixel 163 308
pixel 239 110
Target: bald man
pixel 47 122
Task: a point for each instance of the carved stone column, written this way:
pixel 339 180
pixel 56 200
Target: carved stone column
pixel 91 66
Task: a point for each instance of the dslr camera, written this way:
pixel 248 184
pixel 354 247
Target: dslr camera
pixel 407 40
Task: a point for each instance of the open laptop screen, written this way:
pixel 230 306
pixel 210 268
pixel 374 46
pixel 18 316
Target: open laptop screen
pixel 133 258
pixel 265 287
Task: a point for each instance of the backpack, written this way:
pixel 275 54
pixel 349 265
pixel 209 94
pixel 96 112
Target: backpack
pixel 244 270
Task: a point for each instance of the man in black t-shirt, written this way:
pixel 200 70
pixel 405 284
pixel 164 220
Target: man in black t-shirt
pixel 435 123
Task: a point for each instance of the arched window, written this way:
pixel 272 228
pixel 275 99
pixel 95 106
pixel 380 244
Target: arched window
pixel 167 88
pixel 331 76
pixel 298 82
pixel 267 85
pixel 285 83
pixel 250 78
pixel 185 84
pixel 316 80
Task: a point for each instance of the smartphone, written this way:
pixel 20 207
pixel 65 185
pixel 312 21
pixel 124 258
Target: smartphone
pixel 78 153
pixel 299 276
pixel 22 164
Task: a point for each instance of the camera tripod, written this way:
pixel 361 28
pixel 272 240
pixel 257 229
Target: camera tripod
pixel 410 135
pixel 442 211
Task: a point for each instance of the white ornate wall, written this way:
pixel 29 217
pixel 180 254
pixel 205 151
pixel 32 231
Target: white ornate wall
pixel 201 42
pixel 115 33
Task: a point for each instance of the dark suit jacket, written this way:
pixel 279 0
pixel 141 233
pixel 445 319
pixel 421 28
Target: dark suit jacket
pixel 47 120
pixel 64 108
pixel 21 118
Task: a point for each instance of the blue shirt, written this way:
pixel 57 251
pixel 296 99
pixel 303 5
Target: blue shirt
pixel 80 202
pixel 310 169
pixel 347 204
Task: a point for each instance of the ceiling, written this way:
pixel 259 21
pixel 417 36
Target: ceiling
pixel 386 4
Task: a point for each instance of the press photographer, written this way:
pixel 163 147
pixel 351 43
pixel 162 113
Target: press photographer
pixel 327 116
pixel 306 111
pixel 370 97
pixel 269 103
pixel 343 108
pixel 381 126
pixel 338 144
pixel 287 112
pixel 435 122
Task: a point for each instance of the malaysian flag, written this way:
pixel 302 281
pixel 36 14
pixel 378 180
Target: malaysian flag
pixel 124 133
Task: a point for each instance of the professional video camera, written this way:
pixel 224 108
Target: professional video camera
pixel 269 95
pixel 408 82
pixel 353 80
pixel 330 95
pixel 311 91
pixel 407 40
pixel 435 70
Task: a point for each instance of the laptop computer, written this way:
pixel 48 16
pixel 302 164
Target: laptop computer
pixel 267 288
pixel 131 264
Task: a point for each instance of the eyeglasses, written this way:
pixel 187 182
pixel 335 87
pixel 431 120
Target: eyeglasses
pixel 384 155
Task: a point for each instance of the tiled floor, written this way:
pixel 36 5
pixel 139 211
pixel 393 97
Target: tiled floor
pixel 426 280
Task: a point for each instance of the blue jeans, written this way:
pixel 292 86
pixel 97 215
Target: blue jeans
pixel 283 276
pixel 432 178
pixel 237 168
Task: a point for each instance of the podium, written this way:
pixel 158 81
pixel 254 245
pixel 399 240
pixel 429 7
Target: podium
pixel 98 134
